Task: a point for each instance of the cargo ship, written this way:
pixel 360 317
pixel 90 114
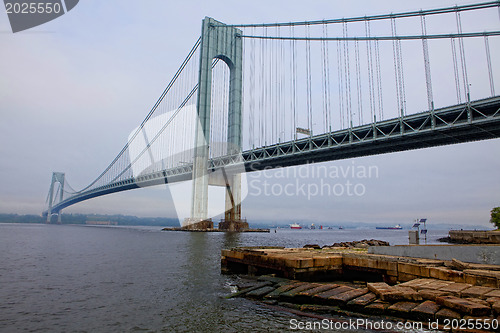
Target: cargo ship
pixel 396 227
pixel 295 226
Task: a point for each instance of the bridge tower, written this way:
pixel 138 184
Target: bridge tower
pixel 57 178
pixel 218 41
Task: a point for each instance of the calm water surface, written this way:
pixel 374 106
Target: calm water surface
pixel 125 279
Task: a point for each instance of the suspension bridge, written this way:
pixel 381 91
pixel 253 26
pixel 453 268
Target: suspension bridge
pixel 250 97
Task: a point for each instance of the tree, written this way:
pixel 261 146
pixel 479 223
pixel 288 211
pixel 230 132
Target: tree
pixel 495 217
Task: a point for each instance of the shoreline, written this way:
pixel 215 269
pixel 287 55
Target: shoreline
pixel 355 282
pixel 412 302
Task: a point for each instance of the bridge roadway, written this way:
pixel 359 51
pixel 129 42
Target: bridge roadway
pixel 479 120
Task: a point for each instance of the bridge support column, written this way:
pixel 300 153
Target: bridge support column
pixel 224 43
pixel 232 217
pixel 57 177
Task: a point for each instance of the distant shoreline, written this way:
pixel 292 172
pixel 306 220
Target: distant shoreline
pixel 124 220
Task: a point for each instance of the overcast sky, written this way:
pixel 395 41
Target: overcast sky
pixel 72 90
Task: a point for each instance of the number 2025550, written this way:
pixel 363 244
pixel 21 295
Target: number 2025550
pixel 32 8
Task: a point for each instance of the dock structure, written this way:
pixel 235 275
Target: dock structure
pixel 474 236
pixel 430 301
pixel 327 264
pixel 354 283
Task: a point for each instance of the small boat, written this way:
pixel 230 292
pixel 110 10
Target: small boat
pixel 295 226
pixel 341 227
pixel 396 227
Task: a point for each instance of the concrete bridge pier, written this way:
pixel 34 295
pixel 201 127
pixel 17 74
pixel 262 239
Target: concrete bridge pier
pixel 57 178
pixel 217 42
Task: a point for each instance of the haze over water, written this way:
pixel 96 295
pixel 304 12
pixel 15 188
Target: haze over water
pixel 56 278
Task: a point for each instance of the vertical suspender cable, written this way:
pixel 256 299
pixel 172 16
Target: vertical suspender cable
pixel 347 73
pixel 217 76
pixel 268 124
pixel 401 75
pixel 340 83
pixel 462 57
pixel 323 82
pixel 425 48
pixel 326 80
pixel 281 95
pixel 261 95
pixel 292 85
pixel 274 89
pixel 490 69
pixel 328 92
pixel 265 86
pixel 224 108
pixel 358 83
pixel 400 71
pixel 379 81
pixel 308 81
pixel 226 101
pixel 290 73
pixel 369 58
pixel 264 91
pixel 456 71
pixel 396 65
pixel 251 113
pixel 278 87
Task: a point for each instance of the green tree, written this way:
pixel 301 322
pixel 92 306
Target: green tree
pixel 495 217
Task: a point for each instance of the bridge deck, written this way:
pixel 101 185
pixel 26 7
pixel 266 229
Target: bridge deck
pixel 479 120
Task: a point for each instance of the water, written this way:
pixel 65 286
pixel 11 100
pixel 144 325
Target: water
pixel 127 279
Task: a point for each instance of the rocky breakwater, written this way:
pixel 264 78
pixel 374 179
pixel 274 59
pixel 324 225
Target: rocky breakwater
pixel 435 303
pixel 472 237
pixel 362 244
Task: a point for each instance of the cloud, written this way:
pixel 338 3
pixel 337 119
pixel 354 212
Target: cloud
pixel 72 90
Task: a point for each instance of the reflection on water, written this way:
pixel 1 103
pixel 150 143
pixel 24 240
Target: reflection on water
pixel 231 239
pixel 101 279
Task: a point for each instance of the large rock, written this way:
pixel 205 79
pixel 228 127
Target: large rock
pixel 476 292
pixel 378 307
pixel 402 309
pixel 346 296
pixel 259 293
pixel 323 297
pixel 446 313
pixel 292 292
pixel 431 294
pixel 496 308
pixel 276 293
pixel 359 303
pixel 463 305
pixel 426 310
pixel 312 246
pixel 317 290
pixel 455 288
pixel 361 244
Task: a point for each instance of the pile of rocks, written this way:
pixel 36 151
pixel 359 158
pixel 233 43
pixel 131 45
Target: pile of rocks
pixel 424 300
pixel 429 299
pixel 361 244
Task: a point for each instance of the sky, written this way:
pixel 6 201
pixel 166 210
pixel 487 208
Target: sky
pixel 73 89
